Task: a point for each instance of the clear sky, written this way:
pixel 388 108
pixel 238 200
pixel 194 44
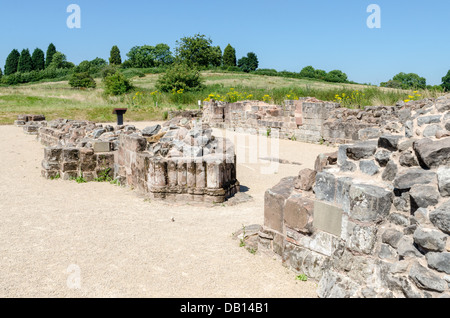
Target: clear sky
pixel 285 34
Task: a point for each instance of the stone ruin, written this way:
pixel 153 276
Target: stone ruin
pixel 372 219
pixel 181 160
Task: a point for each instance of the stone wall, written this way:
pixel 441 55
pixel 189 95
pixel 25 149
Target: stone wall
pixel 311 120
pixel 373 219
pixel 181 161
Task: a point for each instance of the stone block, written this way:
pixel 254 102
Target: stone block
pixel 70 154
pixel 413 176
pixel 325 187
pixel 297 212
pixel 432 154
pixel 441 217
pixel 274 202
pixel 369 203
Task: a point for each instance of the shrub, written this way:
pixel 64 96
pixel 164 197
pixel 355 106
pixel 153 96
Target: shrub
pixel 446 82
pixel 116 84
pixel 108 70
pixel 336 76
pixel 410 81
pixel 308 72
pixel 82 80
pixel 180 76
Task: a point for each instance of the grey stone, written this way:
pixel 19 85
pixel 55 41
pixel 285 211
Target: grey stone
pixel 362 239
pixel 425 120
pixel 342 154
pixel 348 166
pixel 407 249
pixel 431 130
pixel 369 203
pixel 369 133
pixel 362 150
pixel 325 187
pixel 441 217
pixel 439 261
pixel 368 167
pixel 343 185
pixel 408 159
pixel 382 157
pixel 432 154
pixel 413 176
pixel 390 172
pixel 447 126
pixel 389 142
pixel 430 240
pixel 409 129
pixel 98 132
pixel 403 202
pixel 151 130
pixel 423 196
pixel 336 285
pixel 387 252
pixel 391 237
pixel 425 279
pixel 405 145
pixel 443 175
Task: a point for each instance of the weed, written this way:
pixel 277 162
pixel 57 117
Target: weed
pixel 57 176
pixel 302 277
pixel 103 176
pixel 242 242
pixel 79 179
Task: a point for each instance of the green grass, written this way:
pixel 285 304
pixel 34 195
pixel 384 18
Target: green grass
pixel 59 100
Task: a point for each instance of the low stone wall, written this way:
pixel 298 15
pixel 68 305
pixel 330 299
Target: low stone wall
pixel 181 161
pixel 373 219
pixel 312 120
pixel 210 178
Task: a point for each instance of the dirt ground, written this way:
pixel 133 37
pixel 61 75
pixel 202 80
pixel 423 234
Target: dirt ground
pixel 64 239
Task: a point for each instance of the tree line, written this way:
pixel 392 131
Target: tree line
pixel 196 52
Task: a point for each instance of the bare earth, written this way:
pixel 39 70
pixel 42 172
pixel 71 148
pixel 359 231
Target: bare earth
pixel 113 243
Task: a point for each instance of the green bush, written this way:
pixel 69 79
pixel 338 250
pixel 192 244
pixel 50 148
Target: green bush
pixel 82 80
pixel 180 76
pixel 446 82
pixel 336 76
pixel 117 84
pixel 229 56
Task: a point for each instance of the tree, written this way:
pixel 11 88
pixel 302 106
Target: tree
pixel 163 55
pixel 196 51
pixel 248 63
pixel 115 58
pixel 149 56
pixel 51 50
pixel 12 62
pixel 1 74
pixel 229 56
pixel 446 82
pixel 336 76
pixel 59 60
pixel 180 76
pixel 38 59
pixel 82 80
pixel 216 56
pixel 25 62
pixel 410 81
pixel 308 72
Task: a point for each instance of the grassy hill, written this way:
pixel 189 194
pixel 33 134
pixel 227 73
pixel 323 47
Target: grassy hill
pixel 59 100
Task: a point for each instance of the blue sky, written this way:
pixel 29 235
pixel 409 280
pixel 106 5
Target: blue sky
pixel 285 34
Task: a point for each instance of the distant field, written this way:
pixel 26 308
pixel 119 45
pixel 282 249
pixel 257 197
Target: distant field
pixel 58 100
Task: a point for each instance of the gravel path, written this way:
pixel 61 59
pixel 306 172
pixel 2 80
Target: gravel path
pixel 64 239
